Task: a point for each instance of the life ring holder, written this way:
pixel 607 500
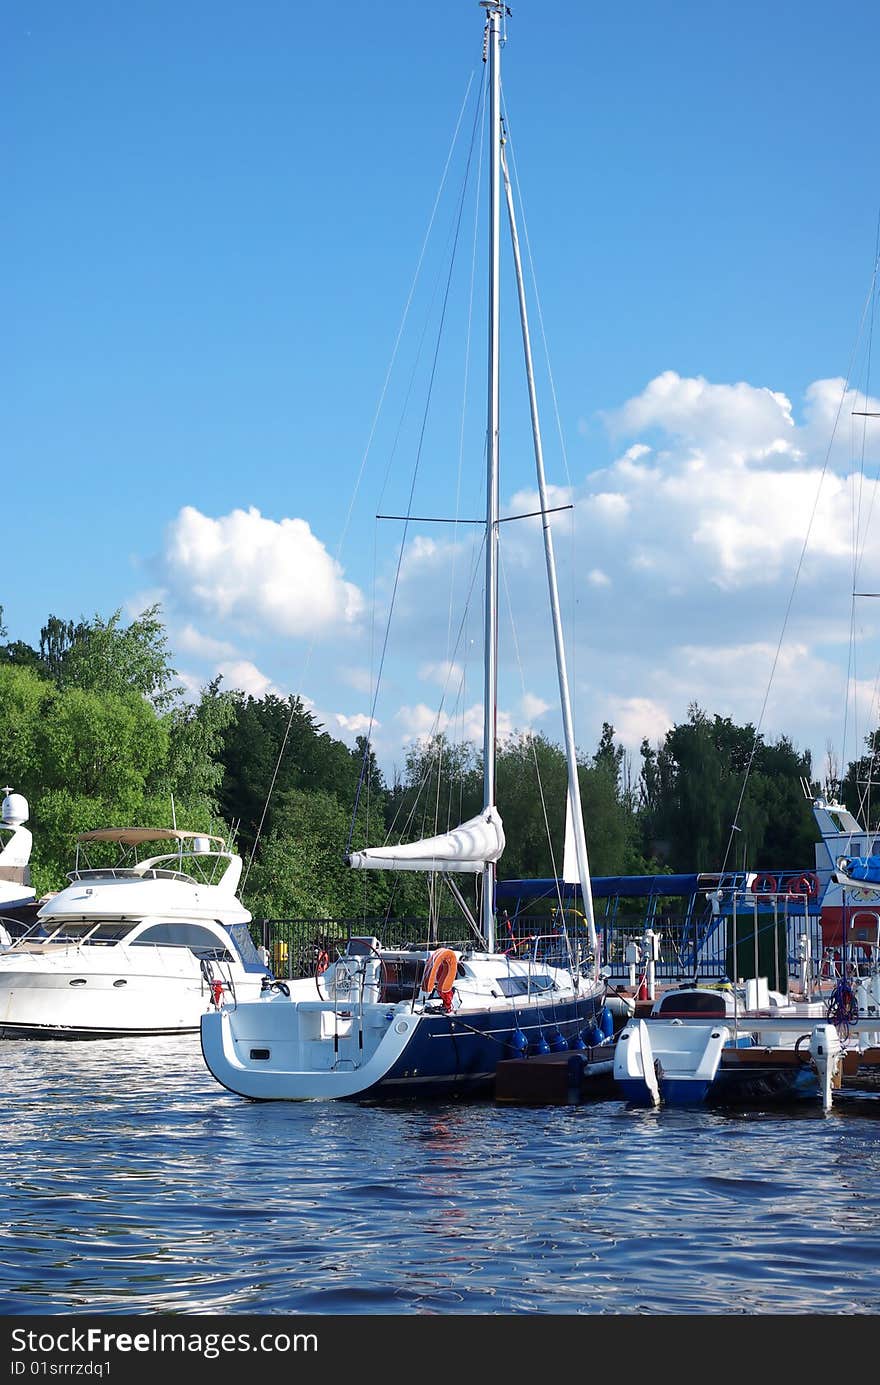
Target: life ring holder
pixel 440 972
pixel 764 884
pixel 805 884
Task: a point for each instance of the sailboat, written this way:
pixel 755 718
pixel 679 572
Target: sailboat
pixel 436 1021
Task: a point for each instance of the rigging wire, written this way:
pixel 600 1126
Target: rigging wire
pixel 295 701
pixel 550 380
pixel 532 739
pixel 859 542
pixel 415 470
pixel 757 739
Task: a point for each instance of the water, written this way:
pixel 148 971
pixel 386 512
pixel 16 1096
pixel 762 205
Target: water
pixel 132 1183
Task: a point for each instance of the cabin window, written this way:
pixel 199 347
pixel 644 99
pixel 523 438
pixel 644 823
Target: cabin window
pixel 200 941
pixel 524 985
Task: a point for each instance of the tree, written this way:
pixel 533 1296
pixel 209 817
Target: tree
pixel 195 741
pixel 272 745
pixel 102 654
pixel 301 871
pixel 710 776
pixel 56 638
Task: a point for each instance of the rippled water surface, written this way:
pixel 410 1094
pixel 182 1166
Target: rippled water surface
pixel 132 1183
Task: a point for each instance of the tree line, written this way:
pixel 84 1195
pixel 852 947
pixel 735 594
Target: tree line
pixel 96 733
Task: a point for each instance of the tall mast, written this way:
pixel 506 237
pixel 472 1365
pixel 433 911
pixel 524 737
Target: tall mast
pixel 495 13
pixel 575 811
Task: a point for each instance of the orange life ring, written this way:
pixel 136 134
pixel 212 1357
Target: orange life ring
pixel 804 884
pixel 440 971
pixel 764 884
pixel 323 962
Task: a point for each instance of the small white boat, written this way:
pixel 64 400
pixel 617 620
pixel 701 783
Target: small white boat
pixel 668 1061
pixel 16 842
pixel 141 947
pixel 728 1045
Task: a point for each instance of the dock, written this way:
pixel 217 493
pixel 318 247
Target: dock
pixel 576 1077
pixel 556 1079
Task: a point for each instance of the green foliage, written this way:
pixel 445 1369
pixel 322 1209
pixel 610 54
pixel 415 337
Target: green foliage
pixel 96 756
pixel 301 871
pixel 195 741
pixel 24 696
pixel 272 745
pixel 94 735
pixel 710 774
pixel 101 744
pixel 102 654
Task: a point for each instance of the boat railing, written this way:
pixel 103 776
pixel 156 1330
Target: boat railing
pixel 128 873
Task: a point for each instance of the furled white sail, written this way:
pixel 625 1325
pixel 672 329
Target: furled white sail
pixel 467 848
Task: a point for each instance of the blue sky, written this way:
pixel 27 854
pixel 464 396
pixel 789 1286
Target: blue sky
pixel 213 218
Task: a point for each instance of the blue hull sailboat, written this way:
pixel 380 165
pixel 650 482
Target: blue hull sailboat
pixel 436 1021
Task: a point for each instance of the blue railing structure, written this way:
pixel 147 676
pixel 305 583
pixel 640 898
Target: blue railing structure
pixel 708 926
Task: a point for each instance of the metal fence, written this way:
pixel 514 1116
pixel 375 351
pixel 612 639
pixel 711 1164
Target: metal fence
pixel 753 937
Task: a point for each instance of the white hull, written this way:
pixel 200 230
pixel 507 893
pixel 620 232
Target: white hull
pixel 142 947
pixel 71 997
pixel 304 1048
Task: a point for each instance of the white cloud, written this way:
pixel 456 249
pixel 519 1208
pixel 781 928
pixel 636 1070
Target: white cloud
pixel 445 673
pixel 677 565
pixel 636 718
pixel 191 641
pixel 256 572
pixel 534 707
pixel 356 725
pixel 242 674
pixel 420 722
pixel 751 422
pixel 358 678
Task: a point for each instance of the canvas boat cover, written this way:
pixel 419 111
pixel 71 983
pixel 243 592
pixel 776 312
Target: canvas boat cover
pixel 467 848
pixel 863 871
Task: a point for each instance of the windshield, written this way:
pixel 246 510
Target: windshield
pixel 84 930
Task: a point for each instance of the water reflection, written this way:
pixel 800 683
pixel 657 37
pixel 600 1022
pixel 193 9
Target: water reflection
pixel 133 1183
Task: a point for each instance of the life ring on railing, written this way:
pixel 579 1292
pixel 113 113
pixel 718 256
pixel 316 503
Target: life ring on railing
pixel 440 972
pixel 806 884
pixel 323 962
pixel 764 884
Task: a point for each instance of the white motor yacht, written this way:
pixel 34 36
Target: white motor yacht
pixel 144 946
pixel 16 893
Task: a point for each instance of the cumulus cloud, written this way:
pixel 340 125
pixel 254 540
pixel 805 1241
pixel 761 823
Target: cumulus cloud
pixel 638 718
pixel 750 423
pixel 533 708
pixel 358 678
pixel 358 724
pixel 445 673
pixel 254 571
pixel 191 641
pixel 241 673
pixel 678 565
pixel 420 722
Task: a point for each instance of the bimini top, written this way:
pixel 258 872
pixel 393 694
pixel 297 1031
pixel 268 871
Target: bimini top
pixel 467 848
pixel 136 836
pixel 601 887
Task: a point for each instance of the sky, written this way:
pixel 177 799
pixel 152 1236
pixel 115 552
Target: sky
pixel 244 309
